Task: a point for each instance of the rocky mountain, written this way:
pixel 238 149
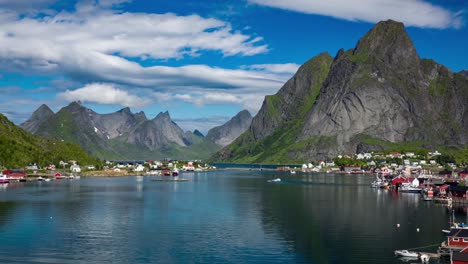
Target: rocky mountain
pixel 225 134
pixel 366 98
pixel 20 148
pixel 121 135
pixel 38 117
pixel 464 73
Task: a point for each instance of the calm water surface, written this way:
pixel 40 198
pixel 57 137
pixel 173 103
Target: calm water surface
pixel 215 217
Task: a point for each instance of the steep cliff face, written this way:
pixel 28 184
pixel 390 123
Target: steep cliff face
pixel 274 130
pixel 225 134
pixel 294 99
pixel 380 90
pixel 116 124
pixel 37 118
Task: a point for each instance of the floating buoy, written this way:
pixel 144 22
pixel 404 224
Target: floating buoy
pixel 397 225
pixel 417 229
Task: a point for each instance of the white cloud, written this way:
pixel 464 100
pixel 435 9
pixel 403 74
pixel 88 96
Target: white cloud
pixel 103 93
pixel 101 51
pixel 416 13
pixel 65 37
pixel 286 68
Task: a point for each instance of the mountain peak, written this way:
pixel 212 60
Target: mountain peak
pixel 75 106
pixel 163 116
pixel 225 134
pixel 40 115
pixel 389 42
pixel 244 114
pixel 43 109
pixel 125 110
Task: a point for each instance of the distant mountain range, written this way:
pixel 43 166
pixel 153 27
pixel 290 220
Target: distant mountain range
pixel 377 95
pixel 125 135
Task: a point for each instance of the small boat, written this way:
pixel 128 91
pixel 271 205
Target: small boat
pixel 409 188
pixel 275 180
pixel 175 172
pixel 293 172
pixel 406 253
pixel 40 178
pixel 3 179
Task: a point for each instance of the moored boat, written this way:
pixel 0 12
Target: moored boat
pixel 275 180
pixel 3 179
pixel 406 253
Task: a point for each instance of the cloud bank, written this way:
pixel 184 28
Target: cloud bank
pixel 415 13
pixel 103 93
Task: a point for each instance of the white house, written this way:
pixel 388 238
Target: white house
pixel 32 167
pixel 139 168
pixel 75 168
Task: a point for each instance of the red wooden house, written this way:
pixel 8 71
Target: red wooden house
pixel 457 240
pixel 400 179
pixel 14 174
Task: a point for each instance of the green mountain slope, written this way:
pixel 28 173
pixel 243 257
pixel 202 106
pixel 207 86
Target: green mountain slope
pixel 19 148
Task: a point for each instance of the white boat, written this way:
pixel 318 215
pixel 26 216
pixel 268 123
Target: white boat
pixel 293 172
pixel 411 187
pixel 275 180
pixel 406 253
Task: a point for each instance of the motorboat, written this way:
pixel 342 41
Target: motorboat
pixel 410 187
pixel 406 253
pixel 275 180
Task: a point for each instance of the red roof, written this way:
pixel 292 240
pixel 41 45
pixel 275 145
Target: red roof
pixel 15 173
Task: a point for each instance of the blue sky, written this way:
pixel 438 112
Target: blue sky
pixel 201 60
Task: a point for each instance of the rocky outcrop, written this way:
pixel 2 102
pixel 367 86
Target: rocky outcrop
pixel 116 124
pixel 225 134
pixel 294 99
pixel 156 133
pixel 380 90
pixel 464 73
pixel 37 118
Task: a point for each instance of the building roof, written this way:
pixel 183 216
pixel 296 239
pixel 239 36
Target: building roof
pixel 458 233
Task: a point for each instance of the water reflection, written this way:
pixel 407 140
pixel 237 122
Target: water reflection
pixel 344 221
pixel 215 217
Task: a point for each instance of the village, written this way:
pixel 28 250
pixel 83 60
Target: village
pixel 72 170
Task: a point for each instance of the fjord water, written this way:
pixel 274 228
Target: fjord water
pixel 215 217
